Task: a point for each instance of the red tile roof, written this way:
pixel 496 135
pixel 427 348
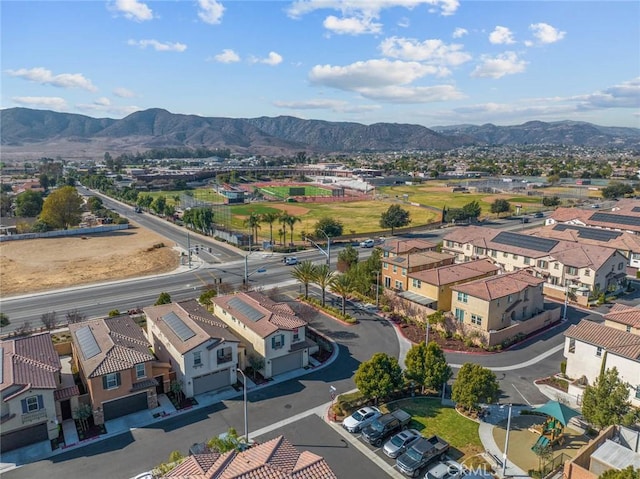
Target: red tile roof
pixel 28 362
pixel 413 260
pixel 611 339
pixel 274 459
pixel 499 286
pixel 456 272
pixel 402 246
pixel 628 315
pixel 275 316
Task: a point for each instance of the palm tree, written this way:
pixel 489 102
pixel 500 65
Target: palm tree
pixel 253 223
pixel 323 278
pixel 283 219
pixel 305 273
pixel 270 218
pixel 292 220
pixel 341 285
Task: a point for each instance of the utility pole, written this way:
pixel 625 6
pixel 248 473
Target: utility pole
pixel 189 248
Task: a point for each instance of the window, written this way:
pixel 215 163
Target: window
pixel 478 250
pixel 277 341
pixel 620 266
pixel 463 297
pixel 628 328
pixel 598 351
pixel 32 404
pixel 587 272
pixel 416 283
pixel 543 264
pixel 449 243
pixel 404 271
pixel 524 312
pixel 223 355
pixel 505 255
pixel 296 335
pixel 395 268
pixel 197 359
pixel 494 253
pixel 140 372
pixel 468 247
pixel 572 345
pixel 111 381
pixel 509 299
pixel 387 282
pixel 475 319
pixel 399 285
pixel 515 256
pixel 556 265
pixel 526 294
pixel 460 314
pixel 571 270
pixel 527 260
pixel 385 265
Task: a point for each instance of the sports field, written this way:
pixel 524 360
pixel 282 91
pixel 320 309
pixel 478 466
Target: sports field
pixel 284 192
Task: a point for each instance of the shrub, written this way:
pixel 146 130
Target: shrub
pixel 563 367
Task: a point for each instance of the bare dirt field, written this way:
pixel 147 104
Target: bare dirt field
pixel 30 266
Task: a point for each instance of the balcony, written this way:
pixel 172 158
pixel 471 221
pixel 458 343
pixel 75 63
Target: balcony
pixel 225 358
pixel 34 416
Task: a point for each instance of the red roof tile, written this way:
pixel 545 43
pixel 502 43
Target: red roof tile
pixel 611 339
pixel 620 313
pixel 499 286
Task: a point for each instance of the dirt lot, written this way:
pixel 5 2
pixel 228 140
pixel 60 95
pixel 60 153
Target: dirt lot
pixel 42 264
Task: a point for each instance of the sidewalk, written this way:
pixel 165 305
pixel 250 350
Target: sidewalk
pixel 42 450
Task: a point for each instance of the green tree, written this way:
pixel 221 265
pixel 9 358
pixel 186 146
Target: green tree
pixel 253 223
pixel 347 257
pixel 49 320
pixel 270 218
pixel 4 320
pixel 427 366
pixel 606 402
pixel 144 201
pixel 342 286
pixel 226 442
pixel 62 208
pixel 159 204
pixel 94 203
pixel 394 217
pixel 500 206
pixel 472 210
pixel 474 385
pixel 164 298
pixel 82 414
pixel 290 222
pixel 322 278
pixel 29 204
pixel 113 313
pixel 305 273
pixel 6 203
pixel 331 227
pixel 626 473
pixel 616 190
pixel 550 201
pixel 379 376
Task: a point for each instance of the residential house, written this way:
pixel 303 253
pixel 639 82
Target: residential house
pixel 624 216
pixel 626 243
pixel 271 331
pixel 432 287
pixel 115 363
pixel 502 306
pixel 615 448
pixel 626 318
pixel 397 246
pixel 202 350
pixel 396 269
pixel 31 382
pixel 569 268
pixel 274 458
pixel 591 348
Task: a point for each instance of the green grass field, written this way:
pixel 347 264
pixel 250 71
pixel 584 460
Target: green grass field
pixel 430 417
pixel 206 195
pixel 282 192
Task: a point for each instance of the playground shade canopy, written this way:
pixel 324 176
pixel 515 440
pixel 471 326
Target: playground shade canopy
pixel 558 411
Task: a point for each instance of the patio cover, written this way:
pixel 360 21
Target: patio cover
pixel 558 411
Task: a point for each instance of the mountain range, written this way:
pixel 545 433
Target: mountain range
pixel 28 133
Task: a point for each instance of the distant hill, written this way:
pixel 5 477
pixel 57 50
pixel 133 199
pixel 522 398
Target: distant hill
pixel 28 133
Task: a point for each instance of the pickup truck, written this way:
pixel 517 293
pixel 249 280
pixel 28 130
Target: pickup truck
pixel 421 453
pixel 386 425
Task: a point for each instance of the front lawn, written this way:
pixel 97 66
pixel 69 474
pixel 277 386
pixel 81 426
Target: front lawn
pixel 430 417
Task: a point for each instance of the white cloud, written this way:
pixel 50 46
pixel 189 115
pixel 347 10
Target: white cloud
pixel 49 102
pixel 404 22
pixel 325 104
pixel 123 93
pixel 273 59
pixel 226 56
pixel 501 36
pixel 372 7
pixel 625 95
pixel 102 101
pixel 132 10
pixel 419 94
pixel 506 63
pixel 99 107
pixel 351 25
pixel 158 46
pixel 46 77
pixel 210 11
pixel 545 33
pixel 432 51
pixel 369 74
pixel 460 32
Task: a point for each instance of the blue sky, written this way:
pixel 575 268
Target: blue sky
pixel 428 62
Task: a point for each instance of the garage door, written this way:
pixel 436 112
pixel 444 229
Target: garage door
pixel 124 406
pixel 211 381
pixel 286 363
pixel 24 437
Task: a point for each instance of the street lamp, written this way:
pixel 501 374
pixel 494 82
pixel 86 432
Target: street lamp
pixel 506 444
pixel 244 389
pixel 327 253
pixel 566 299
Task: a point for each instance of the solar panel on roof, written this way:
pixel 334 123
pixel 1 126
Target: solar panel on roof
pixel 87 341
pixel 178 326
pixel 525 241
pixel 636 209
pixel 590 233
pixel 616 219
pixel 246 309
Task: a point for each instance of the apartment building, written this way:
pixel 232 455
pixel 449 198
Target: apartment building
pixel 397 268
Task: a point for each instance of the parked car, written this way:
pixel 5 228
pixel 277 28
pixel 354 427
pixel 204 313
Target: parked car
pixel 290 260
pixel 369 243
pixel 361 418
pixel 421 453
pixel 400 442
pixel 384 426
pixel 539 214
pixel 445 470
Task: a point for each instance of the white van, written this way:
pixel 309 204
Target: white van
pixel 290 260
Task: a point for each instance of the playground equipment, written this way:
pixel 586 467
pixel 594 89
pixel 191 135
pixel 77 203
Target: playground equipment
pixel 552 431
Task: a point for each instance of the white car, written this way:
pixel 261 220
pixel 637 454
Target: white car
pixel 290 260
pixel 445 470
pixel 361 418
pixel 367 243
pixel 400 442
